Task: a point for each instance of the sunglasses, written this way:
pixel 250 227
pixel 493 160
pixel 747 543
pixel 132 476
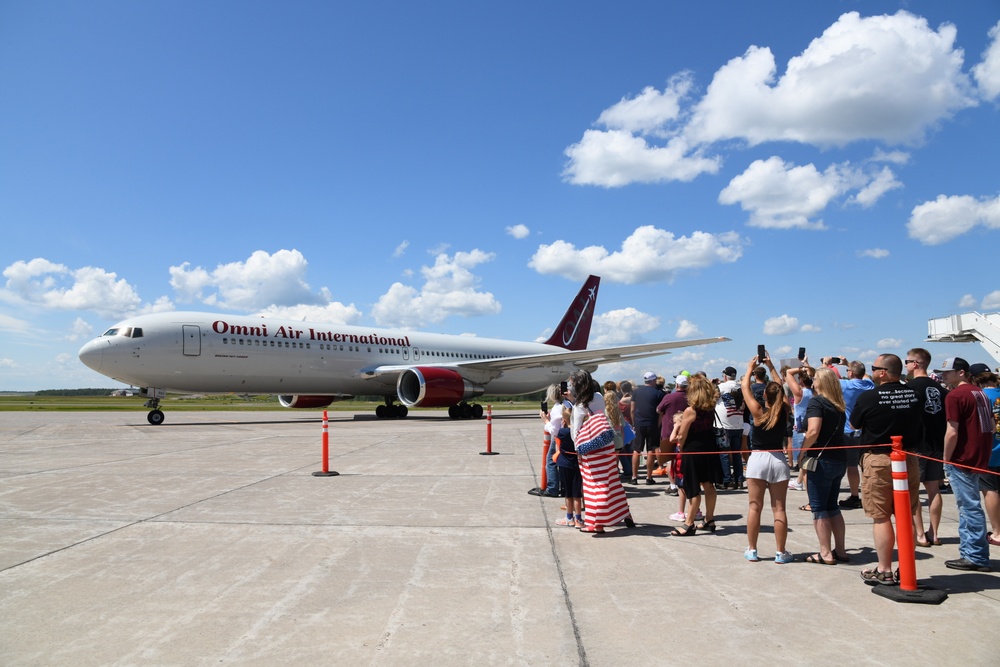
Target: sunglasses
pixel 880 368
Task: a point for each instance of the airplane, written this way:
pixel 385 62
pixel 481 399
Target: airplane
pixel 313 364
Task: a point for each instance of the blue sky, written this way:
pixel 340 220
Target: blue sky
pixel 794 174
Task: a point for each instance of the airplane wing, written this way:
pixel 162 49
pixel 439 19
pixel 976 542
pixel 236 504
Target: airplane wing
pixel 581 358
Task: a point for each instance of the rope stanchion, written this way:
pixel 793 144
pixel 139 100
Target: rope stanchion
pixel 489 433
pixel 326 472
pixel 908 590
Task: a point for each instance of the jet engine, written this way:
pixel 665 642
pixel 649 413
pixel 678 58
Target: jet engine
pixel 306 401
pixel 433 387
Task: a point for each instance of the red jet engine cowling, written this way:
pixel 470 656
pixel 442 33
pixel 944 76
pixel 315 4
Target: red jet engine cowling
pixel 434 387
pixel 306 401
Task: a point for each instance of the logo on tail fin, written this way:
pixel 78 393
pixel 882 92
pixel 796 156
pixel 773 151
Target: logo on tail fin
pixel 573 331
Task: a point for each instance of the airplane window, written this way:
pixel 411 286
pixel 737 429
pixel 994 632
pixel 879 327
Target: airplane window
pixel 111 332
pixel 137 332
pixel 308 346
pixel 127 332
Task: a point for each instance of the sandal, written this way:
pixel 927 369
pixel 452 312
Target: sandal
pixel 565 522
pixel 841 559
pixel 596 531
pixel 875 577
pixel 816 558
pixel 806 508
pixel 989 538
pixel 689 529
pixel 708 526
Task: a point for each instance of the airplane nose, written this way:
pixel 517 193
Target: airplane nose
pixel 92 354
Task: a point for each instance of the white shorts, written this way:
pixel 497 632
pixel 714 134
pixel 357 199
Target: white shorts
pixel 768 466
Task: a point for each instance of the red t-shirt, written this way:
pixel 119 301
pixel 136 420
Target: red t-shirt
pixel 968 406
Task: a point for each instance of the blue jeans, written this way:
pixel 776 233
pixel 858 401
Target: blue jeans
pixel 972 544
pixel 732 461
pixel 551 471
pixel 797 439
pixel 823 485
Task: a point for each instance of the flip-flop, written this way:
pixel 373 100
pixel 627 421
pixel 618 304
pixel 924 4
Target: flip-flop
pixel 816 558
pixel 989 538
pixel 805 508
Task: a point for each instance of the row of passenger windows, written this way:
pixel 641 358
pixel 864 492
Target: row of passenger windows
pixel 256 342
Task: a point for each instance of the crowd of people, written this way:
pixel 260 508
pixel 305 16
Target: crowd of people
pixel 700 435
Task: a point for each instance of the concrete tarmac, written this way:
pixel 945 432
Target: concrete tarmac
pixel 207 540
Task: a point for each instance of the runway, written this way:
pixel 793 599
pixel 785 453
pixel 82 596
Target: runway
pixel 207 540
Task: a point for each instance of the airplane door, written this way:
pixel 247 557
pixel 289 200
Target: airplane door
pixel 406 354
pixel 192 340
pixel 416 354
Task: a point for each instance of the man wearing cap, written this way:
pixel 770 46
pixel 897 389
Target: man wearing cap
pixel 729 414
pixel 646 422
pixel 968 442
pixel 891 408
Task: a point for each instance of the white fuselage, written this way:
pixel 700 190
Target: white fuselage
pixel 205 352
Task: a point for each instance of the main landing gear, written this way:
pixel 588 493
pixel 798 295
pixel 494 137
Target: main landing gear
pixel 391 411
pixel 465 411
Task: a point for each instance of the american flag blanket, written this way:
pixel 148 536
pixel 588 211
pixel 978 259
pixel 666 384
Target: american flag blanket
pixel 603 496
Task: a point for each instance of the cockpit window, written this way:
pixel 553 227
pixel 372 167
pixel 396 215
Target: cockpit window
pixel 137 332
pixel 111 332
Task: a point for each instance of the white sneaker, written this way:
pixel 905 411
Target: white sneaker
pixel 678 516
pixel 794 486
pixel 751 555
pixel 783 557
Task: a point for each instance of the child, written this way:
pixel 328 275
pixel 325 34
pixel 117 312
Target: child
pixel 571 481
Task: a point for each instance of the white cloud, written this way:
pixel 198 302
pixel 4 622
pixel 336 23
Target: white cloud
pixel 263 280
pixel 14 324
pixel 883 182
pixel 874 253
pixel 449 289
pixel 779 195
pixel 647 255
pixel 889 344
pixel 400 249
pixel 888 78
pixel 518 231
pixel 622 153
pixel 45 284
pixel 621 327
pixel 810 328
pixel 615 158
pixel 80 329
pixel 967 301
pixel 687 329
pixel 8 363
pixel 781 325
pixel 987 72
pixel 992 300
pixel 333 313
pixel 941 220
pixel 651 111
pixel 894 157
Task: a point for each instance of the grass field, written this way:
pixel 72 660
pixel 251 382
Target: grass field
pixel 16 402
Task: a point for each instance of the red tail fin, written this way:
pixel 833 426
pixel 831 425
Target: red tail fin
pixel 574 329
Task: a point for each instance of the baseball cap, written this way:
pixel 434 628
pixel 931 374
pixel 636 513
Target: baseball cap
pixel 729 371
pixel 976 369
pixel 681 380
pixel 953 364
pixel 649 376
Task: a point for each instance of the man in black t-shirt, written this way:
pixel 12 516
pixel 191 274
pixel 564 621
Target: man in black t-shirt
pixel 931 395
pixel 891 408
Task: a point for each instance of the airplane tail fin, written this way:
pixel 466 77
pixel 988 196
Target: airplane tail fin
pixel 573 331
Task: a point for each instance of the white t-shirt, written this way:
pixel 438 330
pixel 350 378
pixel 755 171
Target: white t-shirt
pixel 729 415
